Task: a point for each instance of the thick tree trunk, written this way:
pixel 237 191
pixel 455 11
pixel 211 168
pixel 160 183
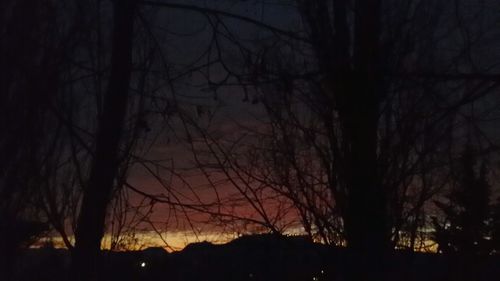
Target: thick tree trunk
pixel 90 228
pixel 350 57
pixel 366 217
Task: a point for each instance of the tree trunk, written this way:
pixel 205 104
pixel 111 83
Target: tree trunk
pixel 96 197
pixel 350 56
pixel 365 217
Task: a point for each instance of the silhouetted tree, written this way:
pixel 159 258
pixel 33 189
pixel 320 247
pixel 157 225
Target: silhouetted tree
pixel 30 62
pixel 106 157
pixel 465 228
pixel 380 83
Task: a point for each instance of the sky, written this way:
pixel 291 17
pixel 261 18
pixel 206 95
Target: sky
pixel 185 36
pixel 229 110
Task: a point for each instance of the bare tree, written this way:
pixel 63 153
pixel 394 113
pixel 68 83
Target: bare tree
pixel 384 93
pixel 106 159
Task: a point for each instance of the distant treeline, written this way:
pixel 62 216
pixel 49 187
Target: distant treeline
pixel 256 257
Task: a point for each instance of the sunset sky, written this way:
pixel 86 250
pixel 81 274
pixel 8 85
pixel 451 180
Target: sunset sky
pixel 228 115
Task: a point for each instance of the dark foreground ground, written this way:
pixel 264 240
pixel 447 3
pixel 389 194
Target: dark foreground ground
pixel 260 257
